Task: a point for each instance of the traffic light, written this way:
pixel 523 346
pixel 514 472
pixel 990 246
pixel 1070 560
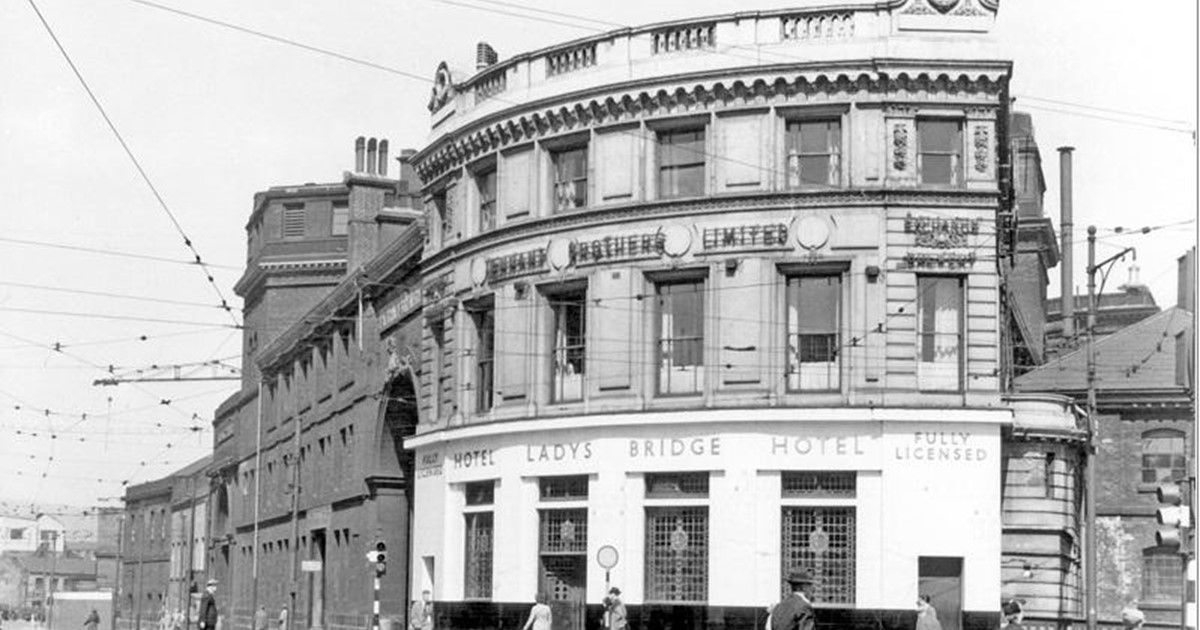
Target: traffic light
pixel 1175 516
pixel 380 557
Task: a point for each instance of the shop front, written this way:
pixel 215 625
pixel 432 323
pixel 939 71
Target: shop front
pixel 696 515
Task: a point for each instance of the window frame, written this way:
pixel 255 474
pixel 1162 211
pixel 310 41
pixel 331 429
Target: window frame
pixel 289 214
pixel 661 506
pixel 960 383
pixel 659 282
pixel 575 295
pixel 1165 583
pixel 486 206
pixel 701 158
pixel 957 152
pixel 339 210
pixel 797 274
pixel 556 154
pixel 835 170
pixel 1164 433
pixel 483 319
pixel 479 506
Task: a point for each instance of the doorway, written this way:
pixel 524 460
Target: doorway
pixel 316 581
pixel 564 581
pixel 940 578
pixel 563 565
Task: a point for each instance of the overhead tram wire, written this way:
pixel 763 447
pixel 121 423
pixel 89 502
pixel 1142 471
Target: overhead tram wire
pixel 110 252
pixel 1102 109
pixel 119 296
pixel 187 241
pixel 132 318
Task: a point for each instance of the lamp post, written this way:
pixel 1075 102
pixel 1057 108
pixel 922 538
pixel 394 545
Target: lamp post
pixel 1091 585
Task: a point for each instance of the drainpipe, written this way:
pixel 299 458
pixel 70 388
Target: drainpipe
pixel 1066 207
pixel 257 503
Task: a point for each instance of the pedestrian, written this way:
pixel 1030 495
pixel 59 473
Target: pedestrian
pixel 615 615
pixel 420 617
pixel 927 618
pixel 1131 617
pixel 1012 615
pixel 283 615
pixel 260 618
pixel 540 616
pixel 208 606
pixel 795 612
pixel 93 620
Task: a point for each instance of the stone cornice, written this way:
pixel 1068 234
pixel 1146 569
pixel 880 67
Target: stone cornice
pixel 706 206
pixel 917 81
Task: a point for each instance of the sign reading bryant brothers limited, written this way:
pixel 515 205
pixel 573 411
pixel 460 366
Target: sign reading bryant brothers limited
pixel 811 447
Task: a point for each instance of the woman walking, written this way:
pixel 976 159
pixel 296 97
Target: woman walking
pixel 540 616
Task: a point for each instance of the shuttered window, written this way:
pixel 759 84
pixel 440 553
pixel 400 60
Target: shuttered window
pixel 294 218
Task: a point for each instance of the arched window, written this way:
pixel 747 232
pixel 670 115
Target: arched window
pixel 1163 456
pixel 1162 574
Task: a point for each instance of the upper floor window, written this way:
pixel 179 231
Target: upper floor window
pixel 485 357
pixel 1162 579
pixel 442 212
pixel 681 163
pixel 293 221
pixel 341 219
pixel 814 153
pixel 939 146
pixel 813 324
pixel 679 330
pixel 569 310
pixel 939 332
pixel 485 184
pixel 440 373
pixel 570 178
pixel 1164 456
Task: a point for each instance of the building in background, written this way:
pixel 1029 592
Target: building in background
pixel 149 589
pixel 708 300
pixel 1145 393
pixel 32 533
pixel 308 472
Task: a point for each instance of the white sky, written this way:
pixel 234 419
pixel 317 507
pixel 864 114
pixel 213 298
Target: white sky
pixel 215 115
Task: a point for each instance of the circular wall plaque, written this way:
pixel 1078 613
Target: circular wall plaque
pixel 558 254
pixel 478 271
pixel 677 240
pixel 607 556
pixel 812 232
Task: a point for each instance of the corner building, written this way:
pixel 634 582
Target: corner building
pixel 721 296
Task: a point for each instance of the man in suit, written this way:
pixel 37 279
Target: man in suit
pixel 208 607
pixel 795 612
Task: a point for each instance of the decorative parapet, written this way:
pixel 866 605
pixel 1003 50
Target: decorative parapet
pixel 571 59
pixel 689 37
pixel 491 85
pixel 817 26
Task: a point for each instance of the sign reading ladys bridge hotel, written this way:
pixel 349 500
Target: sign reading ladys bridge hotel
pixel 726 318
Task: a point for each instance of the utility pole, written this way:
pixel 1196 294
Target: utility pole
pixel 1090 560
pixel 295 585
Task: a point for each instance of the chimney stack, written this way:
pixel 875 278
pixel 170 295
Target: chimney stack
pixel 359 146
pixel 485 56
pixel 1185 296
pixel 1067 224
pixel 371 159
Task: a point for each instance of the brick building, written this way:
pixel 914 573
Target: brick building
pixel 709 318
pixel 1146 403
pixel 308 473
pixel 146 555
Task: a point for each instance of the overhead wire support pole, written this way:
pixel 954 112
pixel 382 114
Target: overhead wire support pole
pixel 1090 559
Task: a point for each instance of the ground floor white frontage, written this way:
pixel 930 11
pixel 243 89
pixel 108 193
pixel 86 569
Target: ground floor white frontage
pixel 711 507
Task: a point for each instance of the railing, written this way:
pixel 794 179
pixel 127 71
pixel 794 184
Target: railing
pixel 491 85
pixel 570 60
pixel 817 26
pixel 684 38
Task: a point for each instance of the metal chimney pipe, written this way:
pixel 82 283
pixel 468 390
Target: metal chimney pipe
pixel 1067 224
pixel 360 145
pixel 383 157
pixel 371 159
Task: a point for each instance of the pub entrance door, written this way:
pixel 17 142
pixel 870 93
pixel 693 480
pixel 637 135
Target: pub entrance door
pixel 563 565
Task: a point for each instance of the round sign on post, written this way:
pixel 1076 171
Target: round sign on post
pixel 607 557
